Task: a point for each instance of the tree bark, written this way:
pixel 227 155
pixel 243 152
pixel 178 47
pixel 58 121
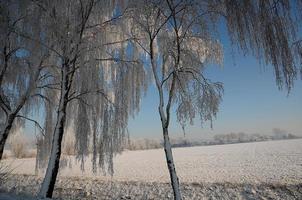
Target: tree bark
pixel 165 119
pixel 171 166
pixel 5 133
pixel 49 181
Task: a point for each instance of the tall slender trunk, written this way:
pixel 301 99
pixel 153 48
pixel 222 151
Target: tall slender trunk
pixel 165 119
pixel 48 184
pixel 49 181
pixel 170 164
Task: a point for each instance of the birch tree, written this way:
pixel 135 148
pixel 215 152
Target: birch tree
pixel 179 39
pixel 177 57
pixel 84 60
pixel 23 63
pixel 101 81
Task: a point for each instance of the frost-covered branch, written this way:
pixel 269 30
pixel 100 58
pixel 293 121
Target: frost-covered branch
pixel 32 120
pixel 39 42
pixel 49 86
pixel 42 97
pixel 107 22
pixel 76 96
pixel 117 60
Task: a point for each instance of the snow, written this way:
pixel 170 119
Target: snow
pixel 10 196
pixel 261 162
pixel 87 189
pixel 262 170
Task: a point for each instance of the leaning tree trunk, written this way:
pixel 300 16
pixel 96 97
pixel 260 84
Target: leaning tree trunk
pixel 14 113
pixel 165 124
pixel 3 136
pixel 49 181
pixel 170 164
pixel 10 120
pixel 9 123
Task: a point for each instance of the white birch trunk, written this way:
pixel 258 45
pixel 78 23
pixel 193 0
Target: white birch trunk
pixel 48 184
pixel 165 123
pixel 171 166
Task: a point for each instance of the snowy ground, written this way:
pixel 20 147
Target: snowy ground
pixel 89 188
pixel 249 170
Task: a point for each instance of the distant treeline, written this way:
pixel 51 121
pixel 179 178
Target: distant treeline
pixel 230 138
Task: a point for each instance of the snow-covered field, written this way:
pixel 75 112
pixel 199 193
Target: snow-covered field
pixel 235 169
pixel 273 161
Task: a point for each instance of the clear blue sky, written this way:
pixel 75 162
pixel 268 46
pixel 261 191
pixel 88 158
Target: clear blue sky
pixel 252 103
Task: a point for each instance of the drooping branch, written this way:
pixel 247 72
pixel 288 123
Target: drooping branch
pixel 42 96
pixel 34 121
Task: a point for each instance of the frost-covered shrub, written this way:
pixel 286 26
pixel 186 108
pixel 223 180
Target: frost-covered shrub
pixel 142 144
pixel 18 144
pixel 5 155
pixel 69 143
